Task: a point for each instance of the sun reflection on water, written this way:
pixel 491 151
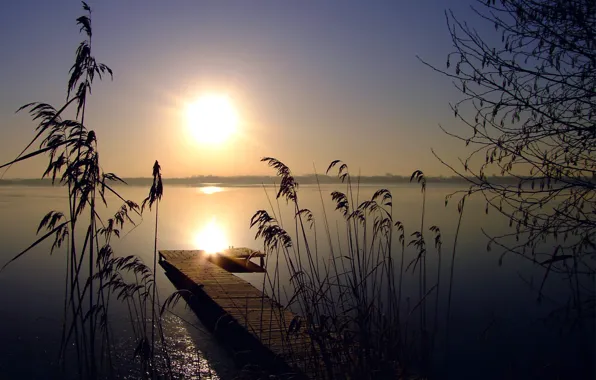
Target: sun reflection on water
pixel 210 189
pixel 187 360
pixel 211 238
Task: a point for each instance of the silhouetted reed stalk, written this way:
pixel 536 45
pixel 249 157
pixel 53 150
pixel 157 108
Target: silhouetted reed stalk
pixel 420 260
pixel 460 210
pixel 94 276
pixel 155 195
pixel 353 320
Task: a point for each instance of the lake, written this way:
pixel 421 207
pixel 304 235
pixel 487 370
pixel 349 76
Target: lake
pixel 499 330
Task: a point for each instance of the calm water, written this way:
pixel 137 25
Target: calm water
pixel 498 327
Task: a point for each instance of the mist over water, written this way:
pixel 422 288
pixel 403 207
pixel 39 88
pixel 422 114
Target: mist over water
pixel 498 327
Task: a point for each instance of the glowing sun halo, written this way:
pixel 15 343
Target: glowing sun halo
pixel 212 119
pixel 211 238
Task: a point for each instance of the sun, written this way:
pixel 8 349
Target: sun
pixel 212 118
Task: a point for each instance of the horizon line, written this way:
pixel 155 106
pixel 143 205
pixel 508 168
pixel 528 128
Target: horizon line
pixel 221 178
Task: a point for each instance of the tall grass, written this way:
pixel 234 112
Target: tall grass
pixel 95 276
pixel 348 290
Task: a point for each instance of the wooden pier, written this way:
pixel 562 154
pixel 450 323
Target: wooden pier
pixel 254 327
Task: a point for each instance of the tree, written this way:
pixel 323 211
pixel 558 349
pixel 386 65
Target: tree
pixel 530 104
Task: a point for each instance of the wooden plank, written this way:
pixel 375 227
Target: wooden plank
pixel 233 259
pixel 241 253
pixel 261 318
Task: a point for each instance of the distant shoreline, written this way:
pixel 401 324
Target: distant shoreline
pixel 199 181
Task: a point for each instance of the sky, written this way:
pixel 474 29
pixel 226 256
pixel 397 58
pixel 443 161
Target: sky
pixel 311 82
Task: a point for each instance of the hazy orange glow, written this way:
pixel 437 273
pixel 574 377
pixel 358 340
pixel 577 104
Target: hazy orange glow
pixel 212 118
pixel 211 238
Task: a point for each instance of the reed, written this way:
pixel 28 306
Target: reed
pixel 348 287
pixel 95 276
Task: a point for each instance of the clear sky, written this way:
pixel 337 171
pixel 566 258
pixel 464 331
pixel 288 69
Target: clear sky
pixel 311 81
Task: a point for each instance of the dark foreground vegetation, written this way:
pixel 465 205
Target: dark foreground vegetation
pixel 530 107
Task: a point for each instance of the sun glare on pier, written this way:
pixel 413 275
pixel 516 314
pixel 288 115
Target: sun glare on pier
pixel 211 238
